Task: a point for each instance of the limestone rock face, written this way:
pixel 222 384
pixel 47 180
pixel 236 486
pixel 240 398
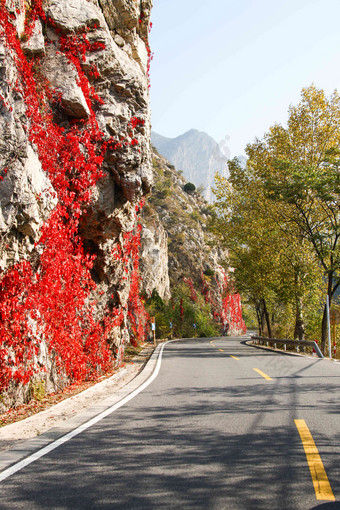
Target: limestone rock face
pixel 74 15
pixel 63 76
pixel 154 260
pixel 127 19
pixel 26 195
pixel 114 60
pixel 35 46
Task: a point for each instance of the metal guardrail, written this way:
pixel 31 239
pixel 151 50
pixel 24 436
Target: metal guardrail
pixel 280 341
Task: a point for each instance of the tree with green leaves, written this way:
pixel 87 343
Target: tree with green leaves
pixel 177 316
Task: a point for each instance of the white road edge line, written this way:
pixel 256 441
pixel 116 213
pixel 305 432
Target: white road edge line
pixel 52 446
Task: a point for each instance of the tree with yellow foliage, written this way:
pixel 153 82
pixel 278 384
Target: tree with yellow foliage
pixel 292 176
pixel 272 266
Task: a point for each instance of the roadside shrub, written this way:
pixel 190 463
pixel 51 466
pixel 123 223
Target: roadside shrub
pixel 189 187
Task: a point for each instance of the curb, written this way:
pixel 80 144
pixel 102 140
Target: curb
pixel 26 448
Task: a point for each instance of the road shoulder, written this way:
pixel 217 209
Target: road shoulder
pixel 23 438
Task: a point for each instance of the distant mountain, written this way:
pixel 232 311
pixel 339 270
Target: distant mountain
pixel 195 153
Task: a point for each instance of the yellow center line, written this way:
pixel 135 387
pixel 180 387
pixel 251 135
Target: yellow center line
pixel 321 484
pixel 222 350
pixel 263 374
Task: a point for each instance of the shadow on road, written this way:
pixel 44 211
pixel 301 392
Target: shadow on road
pixel 173 457
pixel 186 448
pixel 327 506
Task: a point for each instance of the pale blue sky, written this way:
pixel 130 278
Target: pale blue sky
pixel 232 67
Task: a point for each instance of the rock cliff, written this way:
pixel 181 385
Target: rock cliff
pixel 195 269
pixel 74 166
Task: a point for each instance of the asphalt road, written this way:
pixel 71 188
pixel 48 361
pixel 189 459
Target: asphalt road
pixel 209 432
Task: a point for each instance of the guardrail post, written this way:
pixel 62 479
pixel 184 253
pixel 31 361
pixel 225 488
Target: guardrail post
pixel 317 350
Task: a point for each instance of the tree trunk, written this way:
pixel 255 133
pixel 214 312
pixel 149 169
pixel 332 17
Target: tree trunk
pixel 266 314
pixel 259 316
pixel 299 331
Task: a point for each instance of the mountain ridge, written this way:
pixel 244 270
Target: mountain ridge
pixel 197 154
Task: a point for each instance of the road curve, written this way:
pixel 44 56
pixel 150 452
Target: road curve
pixel 220 427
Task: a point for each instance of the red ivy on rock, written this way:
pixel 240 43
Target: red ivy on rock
pixel 193 293
pixel 138 316
pixel 231 313
pixel 51 304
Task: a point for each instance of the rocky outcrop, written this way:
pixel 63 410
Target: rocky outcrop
pixel 184 217
pixel 73 16
pixel 26 202
pixel 35 44
pixel 74 157
pixel 154 264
